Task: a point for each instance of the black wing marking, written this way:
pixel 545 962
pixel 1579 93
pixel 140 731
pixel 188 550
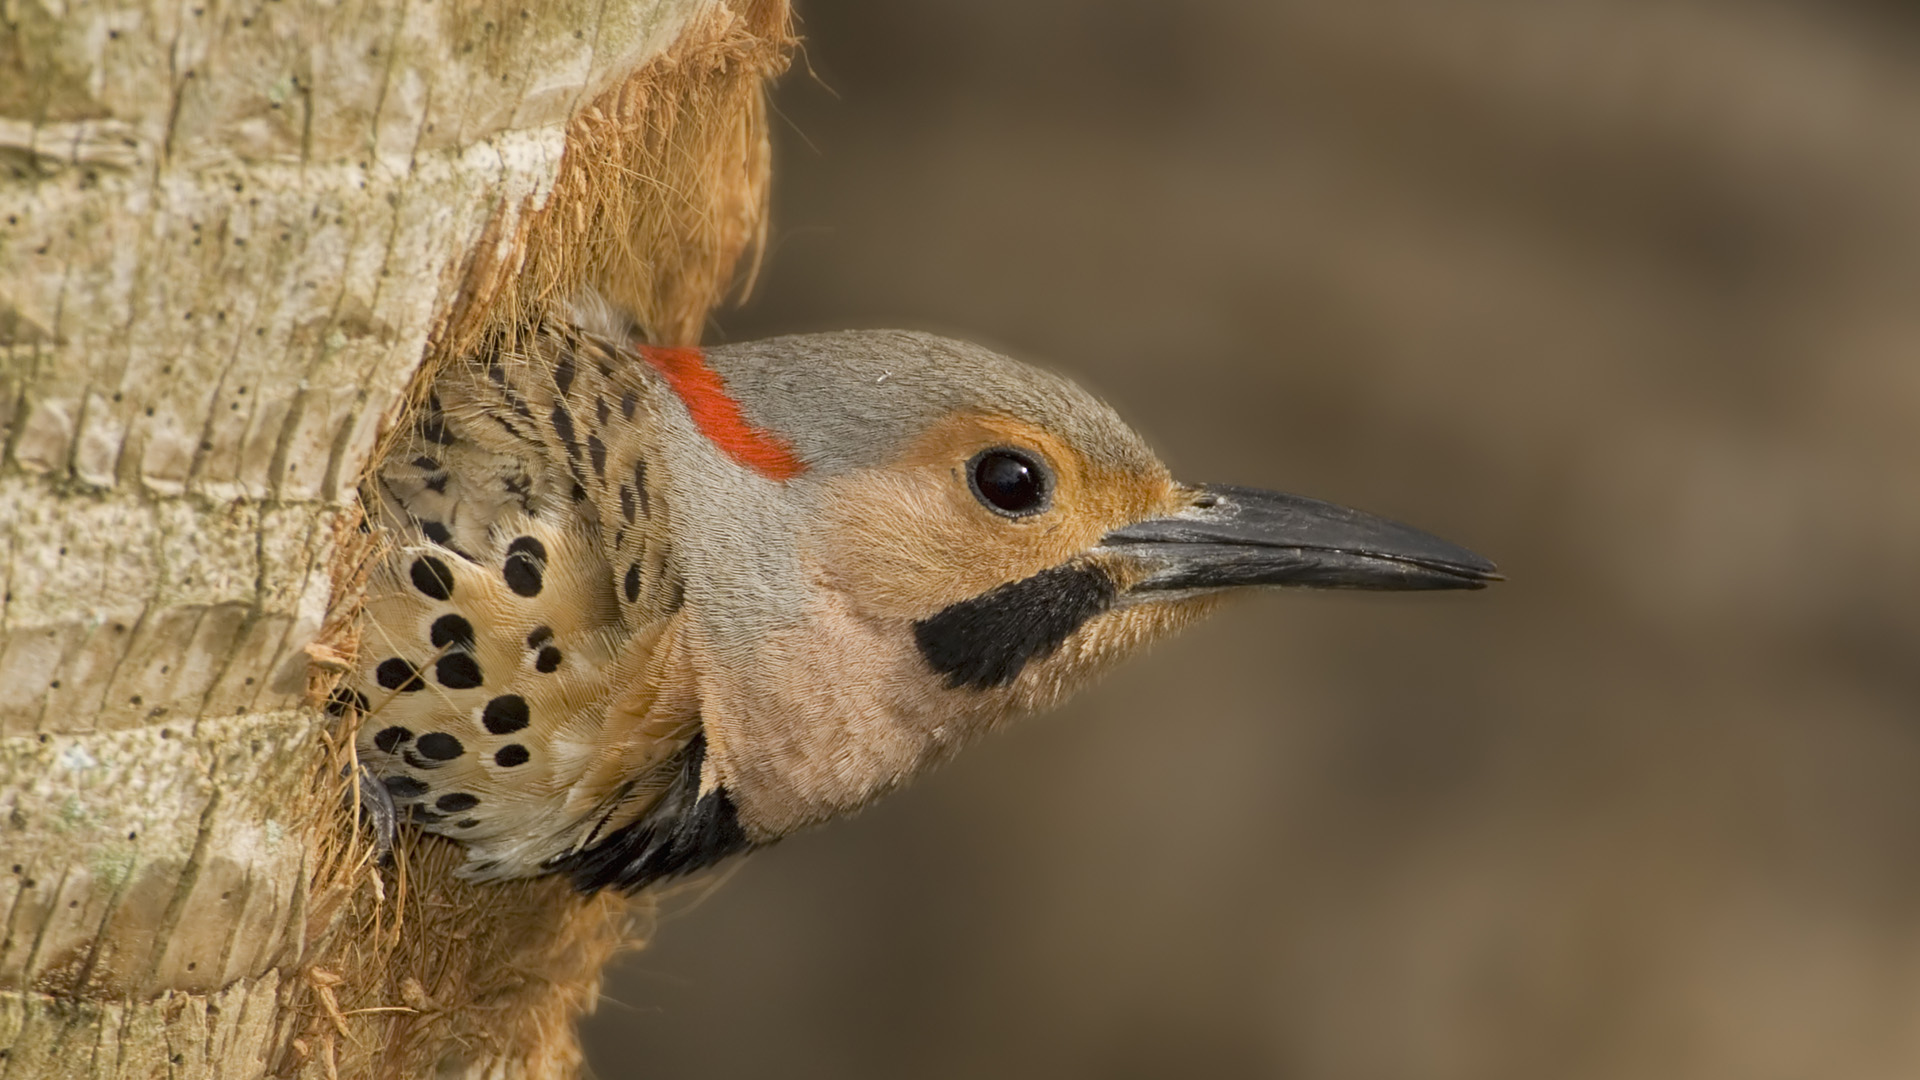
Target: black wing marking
pixel 684 831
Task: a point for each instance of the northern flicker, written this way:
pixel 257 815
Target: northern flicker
pixel 645 608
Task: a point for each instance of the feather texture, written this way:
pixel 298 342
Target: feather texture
pixel 526 592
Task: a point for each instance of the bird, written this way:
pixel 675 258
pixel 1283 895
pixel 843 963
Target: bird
pixel 638 609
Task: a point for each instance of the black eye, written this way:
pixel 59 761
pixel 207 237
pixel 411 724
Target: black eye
pixel 1009 482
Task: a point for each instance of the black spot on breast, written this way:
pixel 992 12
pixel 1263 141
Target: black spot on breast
pixel 510 755
pixel 626 504
pixel 457 671
pixel 390 738
pixel 343 699
pixel 439 746
pixel 627 403
pixel 505 714
pixel 404 787
pixel 433 425
pixel 397 674
pixel 579 493
pixel 632 583
pixel 518 403
pixel 432 577
pixel 506 425
pixel 466 823
pixel 539 636
pixel 451 632
pixel 601 412
pixel 640 483
pixel 548 660
pixel 597 454
pixel 426 463
pixel 676 595
pixel 437 533
pixel 986 641
pixel 563 427
pixel 420 815
pixel 455 801
pixel 526 562
pixel 436 484
pixel 563 372
pixel 683 831
pixel 497 373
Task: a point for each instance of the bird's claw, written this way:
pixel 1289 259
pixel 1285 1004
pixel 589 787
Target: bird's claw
pixel 378 813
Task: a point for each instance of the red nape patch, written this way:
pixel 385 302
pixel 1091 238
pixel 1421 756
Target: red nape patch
pixel 717 415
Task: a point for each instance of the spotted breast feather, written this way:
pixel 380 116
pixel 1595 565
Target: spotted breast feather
pixel 524 590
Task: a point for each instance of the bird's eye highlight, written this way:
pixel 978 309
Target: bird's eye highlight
pixel 1010 482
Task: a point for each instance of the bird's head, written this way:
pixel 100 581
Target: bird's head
pixel 892 541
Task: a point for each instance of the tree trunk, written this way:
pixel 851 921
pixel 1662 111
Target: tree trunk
pixel 235 235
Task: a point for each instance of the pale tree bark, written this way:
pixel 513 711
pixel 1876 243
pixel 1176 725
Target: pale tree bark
pixel 231 234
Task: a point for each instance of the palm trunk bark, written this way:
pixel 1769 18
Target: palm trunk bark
pixel 232 238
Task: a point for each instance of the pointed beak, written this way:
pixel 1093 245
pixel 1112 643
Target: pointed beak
pixel 1234 536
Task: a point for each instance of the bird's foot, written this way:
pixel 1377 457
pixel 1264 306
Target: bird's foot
pixel 378 813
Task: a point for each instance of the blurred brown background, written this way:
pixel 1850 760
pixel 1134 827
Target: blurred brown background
pixel 1623 293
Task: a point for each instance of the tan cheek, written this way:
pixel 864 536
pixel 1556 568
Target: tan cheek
pixel 905 543
pixel 908 540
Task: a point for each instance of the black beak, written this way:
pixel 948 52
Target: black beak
pixel 1233 536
